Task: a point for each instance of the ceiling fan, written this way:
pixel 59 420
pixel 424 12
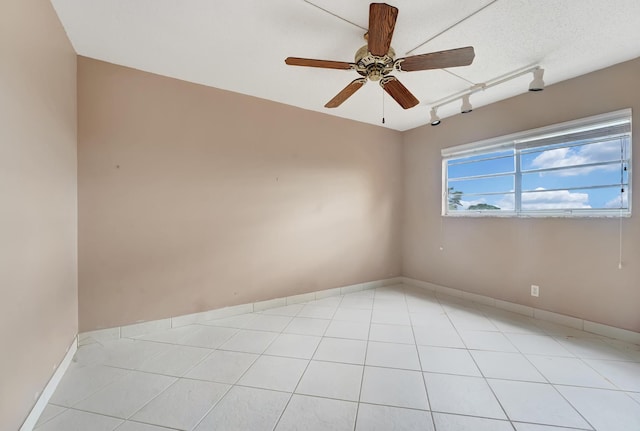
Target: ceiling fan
pixel 376 60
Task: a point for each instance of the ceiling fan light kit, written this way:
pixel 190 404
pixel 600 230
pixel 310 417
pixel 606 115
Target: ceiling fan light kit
pixel 376 60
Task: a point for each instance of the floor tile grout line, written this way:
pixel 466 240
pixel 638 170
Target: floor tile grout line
pixel 303 373
pixel 180 341
pixel 93 413
pixel 548 382
pixel 555 389
pixel 626 359
pixel 424 381
pixel 38 424
pixel 201 360
pixel 100 388
pixel 411 369
pixel 207 356
pixel 573 407
pixel 601 374
pixel 510 335
pixel 364 362
pixel 486 381
pixel 637 400
pixel 475 416
pixel 210 409
pixel 185 376
pixel 579 386
pixel 328 398
pixel 562 427
pixel 231 386
pixel 153 398
pixel 324 397
pixel 116 417
pixel 146 423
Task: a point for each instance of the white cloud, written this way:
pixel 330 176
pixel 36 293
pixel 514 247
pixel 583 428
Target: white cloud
pixel 615 202
pixel 557 199
pixel 541 200
pixel 593 153
pixel 507 203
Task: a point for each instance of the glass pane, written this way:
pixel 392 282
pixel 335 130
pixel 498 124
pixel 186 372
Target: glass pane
pixel 604 198
pixel 553 157
pixel 481 167
pixel 484 185
pixel 576 177
pixel 616 199
pixel 459 202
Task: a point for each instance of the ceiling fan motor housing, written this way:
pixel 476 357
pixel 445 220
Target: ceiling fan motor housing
pixel 372 66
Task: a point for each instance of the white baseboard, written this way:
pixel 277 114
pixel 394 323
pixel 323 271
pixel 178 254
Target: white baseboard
pixel 50 388
pixel 142 328
pixel 102 335
pixel 536 313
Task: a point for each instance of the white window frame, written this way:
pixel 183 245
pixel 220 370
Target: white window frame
pixel 535 138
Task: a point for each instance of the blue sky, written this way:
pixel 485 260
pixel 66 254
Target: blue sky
pixel 566 186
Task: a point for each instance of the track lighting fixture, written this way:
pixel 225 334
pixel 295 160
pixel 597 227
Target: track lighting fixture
pixel 537 84
pixel 466 105
pixel 435 120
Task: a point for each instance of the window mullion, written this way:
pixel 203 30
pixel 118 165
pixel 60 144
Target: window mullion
pixel 445 191
pixel 517 183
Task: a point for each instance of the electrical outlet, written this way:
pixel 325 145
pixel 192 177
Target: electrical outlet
pixel 535 290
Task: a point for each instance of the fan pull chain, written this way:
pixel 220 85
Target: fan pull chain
pixel 622 190
pixel 441 233
pixel 620 241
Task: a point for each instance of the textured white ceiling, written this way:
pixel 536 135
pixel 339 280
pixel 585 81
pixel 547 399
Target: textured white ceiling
pixel 240 45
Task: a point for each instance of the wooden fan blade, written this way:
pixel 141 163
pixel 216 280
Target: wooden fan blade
pixel 346 93
pixel 399 92
pixel 310 62
pixel 438 60
pixel 382 21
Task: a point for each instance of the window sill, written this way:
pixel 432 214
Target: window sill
pixel 601 215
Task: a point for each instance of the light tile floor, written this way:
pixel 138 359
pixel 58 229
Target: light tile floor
pixel 394 358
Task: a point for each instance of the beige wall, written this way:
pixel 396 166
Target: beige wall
pixel 193 198
pixel 38 229
pixel 574 261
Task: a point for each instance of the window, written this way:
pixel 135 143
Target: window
pixel 579 168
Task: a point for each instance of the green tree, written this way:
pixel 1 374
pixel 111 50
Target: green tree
pixel 455 197
pixel 483 207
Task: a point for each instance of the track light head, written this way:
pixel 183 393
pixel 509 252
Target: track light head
pixel 538 83
pixel 435 120
pixel 466 105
